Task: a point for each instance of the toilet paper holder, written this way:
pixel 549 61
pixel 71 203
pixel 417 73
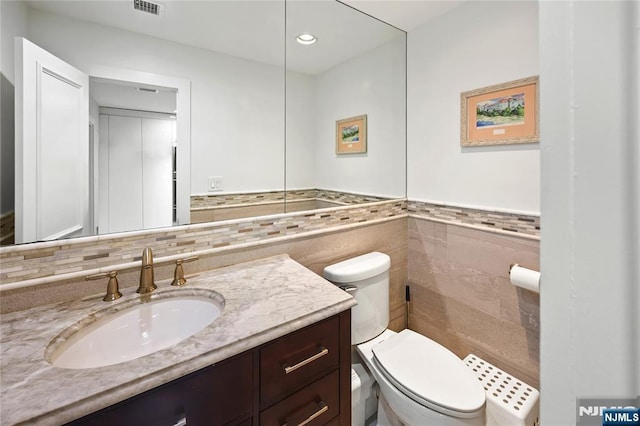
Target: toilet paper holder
pixel 524 277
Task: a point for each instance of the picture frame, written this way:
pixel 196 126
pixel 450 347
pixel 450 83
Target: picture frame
pixel 351 135
pixel 506 113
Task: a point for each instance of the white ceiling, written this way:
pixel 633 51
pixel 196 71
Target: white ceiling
pixel 251 29
pixel 126 95
pixel 254 29
pixel 405 14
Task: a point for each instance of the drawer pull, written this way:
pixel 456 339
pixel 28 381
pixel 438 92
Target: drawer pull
pixel 322 408
pixel 289 369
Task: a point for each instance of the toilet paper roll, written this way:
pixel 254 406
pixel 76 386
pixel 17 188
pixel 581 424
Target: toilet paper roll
pixel 525 278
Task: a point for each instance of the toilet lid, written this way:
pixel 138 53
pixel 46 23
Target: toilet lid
pixel 428 373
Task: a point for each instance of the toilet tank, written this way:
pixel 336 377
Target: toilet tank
pixel 369 274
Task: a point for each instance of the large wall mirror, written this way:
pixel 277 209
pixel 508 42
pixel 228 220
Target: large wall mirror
pixel 196 111
pixel 341 65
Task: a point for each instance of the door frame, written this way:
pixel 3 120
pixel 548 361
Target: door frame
pixel 183 125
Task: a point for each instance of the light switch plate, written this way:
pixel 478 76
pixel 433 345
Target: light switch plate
pixel 215 183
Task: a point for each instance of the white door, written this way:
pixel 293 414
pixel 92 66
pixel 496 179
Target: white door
pixel 136 172
pixel 157 173
pixel 125 176
pixel 52 155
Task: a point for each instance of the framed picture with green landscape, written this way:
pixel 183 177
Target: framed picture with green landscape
pixel 351 135
pixel 505 113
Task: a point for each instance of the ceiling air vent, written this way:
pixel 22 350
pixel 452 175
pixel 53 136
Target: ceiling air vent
pixel 150 7
pixel 147 90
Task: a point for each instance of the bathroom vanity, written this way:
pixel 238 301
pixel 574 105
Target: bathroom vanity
pixel 278 354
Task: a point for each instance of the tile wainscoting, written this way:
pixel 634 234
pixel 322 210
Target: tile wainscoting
pixel 56 270
pixel 462 298
pixel 458 271
pixel 244 198
pixel 494 221
pixel 217 207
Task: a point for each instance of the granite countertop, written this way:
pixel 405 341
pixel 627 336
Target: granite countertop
pixel 264 299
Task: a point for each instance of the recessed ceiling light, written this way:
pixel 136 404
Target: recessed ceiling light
pixel 306 38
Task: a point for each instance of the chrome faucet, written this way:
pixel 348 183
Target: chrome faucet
pixel 147 283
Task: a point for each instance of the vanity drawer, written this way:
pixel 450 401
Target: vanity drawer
pixel 314 405
pixel 292 362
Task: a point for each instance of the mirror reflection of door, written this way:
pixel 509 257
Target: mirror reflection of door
pixel 137 147
pixel 118 176
pixel 52 160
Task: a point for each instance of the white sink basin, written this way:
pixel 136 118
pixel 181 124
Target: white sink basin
pixel 135 328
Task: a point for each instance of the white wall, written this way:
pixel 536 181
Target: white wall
pixel 372 84
pixel 590 295
pixel 237 105
pixel 315 103
pixel 237 109
pixel 301 131
pixel 13 22
pixel 478 44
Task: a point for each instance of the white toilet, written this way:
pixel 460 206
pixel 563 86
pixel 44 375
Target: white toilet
pixel 421 382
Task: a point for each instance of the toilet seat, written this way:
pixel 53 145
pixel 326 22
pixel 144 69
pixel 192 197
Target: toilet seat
pixel 429 374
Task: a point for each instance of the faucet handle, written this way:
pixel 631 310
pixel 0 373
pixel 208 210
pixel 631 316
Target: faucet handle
pixel 113 293
pixel 178 274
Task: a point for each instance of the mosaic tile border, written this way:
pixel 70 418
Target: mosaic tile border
pixel 527 225
pixel 216 200
pixel 207 201
pixel 346 197
pixel 32 264
pixel 38 263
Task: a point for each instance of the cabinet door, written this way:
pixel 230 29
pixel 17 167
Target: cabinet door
pixel 216 396
pixel 223 396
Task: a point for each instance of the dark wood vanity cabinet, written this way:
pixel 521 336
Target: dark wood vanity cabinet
pixel 221 394
pixel 303 378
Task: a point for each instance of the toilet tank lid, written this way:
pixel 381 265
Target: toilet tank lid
pixel 358 268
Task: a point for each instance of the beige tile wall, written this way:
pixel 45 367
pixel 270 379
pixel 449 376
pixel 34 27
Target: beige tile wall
pixel 249 198
pixel 228 212
pixel 29 264
pixel 315 252
pixel 461 296
pixel 457 270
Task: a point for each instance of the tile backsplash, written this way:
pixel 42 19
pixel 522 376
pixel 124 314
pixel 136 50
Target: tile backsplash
pixel 244 198
pixel 47 262
pixel 51 261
